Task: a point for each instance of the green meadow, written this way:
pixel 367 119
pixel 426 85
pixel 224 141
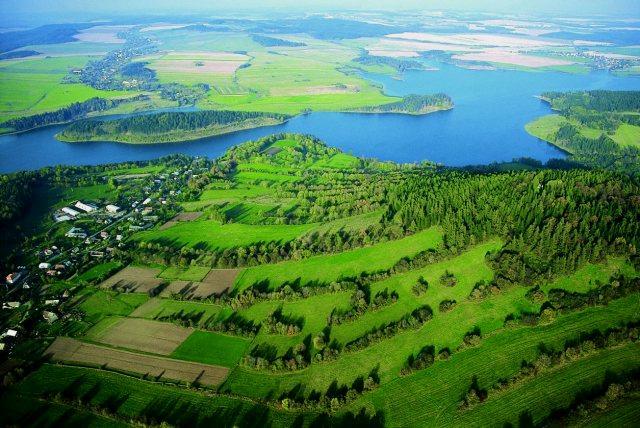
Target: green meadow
pixel 31 86
pixel 328 268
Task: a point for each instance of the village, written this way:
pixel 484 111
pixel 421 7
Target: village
pixel 91 232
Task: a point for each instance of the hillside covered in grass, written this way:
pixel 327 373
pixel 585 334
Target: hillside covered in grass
pixel 311 287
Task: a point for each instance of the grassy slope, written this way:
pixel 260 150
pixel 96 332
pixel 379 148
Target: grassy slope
pixel 178 405
pixel 327 268
pixel 103 303
pixel 587 276
pixel 98 271
pixel 627 135
pixel 25 410
pixel 498 356
pixel 560 386
pixel 191 273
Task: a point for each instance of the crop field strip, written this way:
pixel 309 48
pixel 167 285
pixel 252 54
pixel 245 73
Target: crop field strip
pixel 141 335
pixel 131 278
pixel 74 351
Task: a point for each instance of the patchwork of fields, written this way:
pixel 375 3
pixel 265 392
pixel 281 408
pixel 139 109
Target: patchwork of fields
pixel 144 341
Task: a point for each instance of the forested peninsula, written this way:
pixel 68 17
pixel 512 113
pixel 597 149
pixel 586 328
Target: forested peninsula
pixel 167 127
pixel 599 129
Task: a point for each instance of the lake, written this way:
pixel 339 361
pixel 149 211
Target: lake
pixel 486 125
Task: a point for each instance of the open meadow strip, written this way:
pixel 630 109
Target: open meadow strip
pixel 143 335
pixel 74 351
pixel 331 267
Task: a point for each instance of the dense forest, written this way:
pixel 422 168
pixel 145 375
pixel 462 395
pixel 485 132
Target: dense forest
pixel 272 41
pixel 18 54
pixel 413 104
pixel 15 195
pixel 167 124
pixel 68 114
pixel 44 35
pixel 553 220
pixel 600 101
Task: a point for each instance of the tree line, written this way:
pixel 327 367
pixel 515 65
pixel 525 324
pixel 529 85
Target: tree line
pixel 69 113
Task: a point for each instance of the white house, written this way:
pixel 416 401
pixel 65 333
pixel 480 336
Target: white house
pixel 44 265
pixel 11 333
pixel 112 208
pixel 146 201
pixel 85 207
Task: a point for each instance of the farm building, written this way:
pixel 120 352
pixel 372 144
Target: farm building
pixel 85 207
pixel 60 218
pixel 49 316
pixel 76 232
pixel 70 211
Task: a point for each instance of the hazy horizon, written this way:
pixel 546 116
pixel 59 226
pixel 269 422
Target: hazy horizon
pixel 36 12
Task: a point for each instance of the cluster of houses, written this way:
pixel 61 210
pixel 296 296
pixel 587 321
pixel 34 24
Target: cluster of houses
pixel 102 228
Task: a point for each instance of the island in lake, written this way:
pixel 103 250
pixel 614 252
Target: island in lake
pixel 173 127
pixel 167 127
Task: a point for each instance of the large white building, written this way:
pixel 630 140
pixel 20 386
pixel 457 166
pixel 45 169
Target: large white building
pixel 112 208
pixel 85 207
pixel 70 211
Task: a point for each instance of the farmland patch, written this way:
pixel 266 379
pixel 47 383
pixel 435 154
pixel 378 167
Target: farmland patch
pixel 141 335
pixel 131 278
pixel 75 351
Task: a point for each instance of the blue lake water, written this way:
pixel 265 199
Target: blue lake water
pixel 486 125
